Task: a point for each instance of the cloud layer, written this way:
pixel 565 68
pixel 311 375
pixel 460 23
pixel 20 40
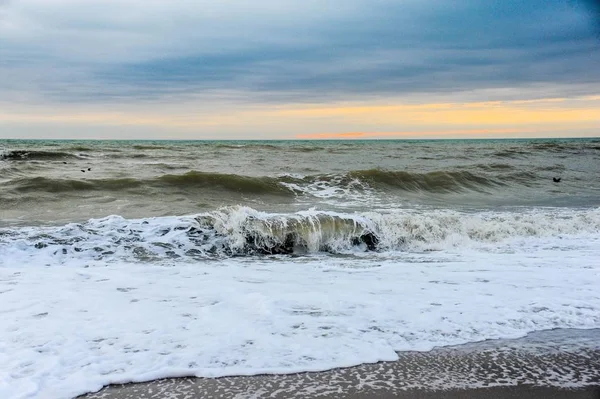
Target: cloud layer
pixel 98 51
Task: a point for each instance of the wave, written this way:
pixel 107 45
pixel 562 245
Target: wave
pixel 511 153
pixel 80 148
pixel 189 181
pixel 319 185
pixel 558 147
pixel 549 146
pixel 231 182
pixel 494 166
pixel 435 182
pixel 50 185
pixel 128 155
pixel 231 146
pixel 27 155
pixel 306 148
pixel 243 231
pixel 19 155
pixel 245 145
pixel 148 147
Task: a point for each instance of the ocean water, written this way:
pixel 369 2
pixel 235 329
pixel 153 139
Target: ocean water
pixel 129 261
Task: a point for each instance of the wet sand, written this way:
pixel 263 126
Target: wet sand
pixel 189 389
pixel 550 364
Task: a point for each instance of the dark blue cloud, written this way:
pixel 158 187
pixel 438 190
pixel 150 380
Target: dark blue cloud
pixel 383 48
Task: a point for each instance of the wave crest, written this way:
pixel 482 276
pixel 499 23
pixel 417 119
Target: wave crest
pixel 21 155
pixel 436 182
pixel 246 184
pixel 243 231
pixel 485 179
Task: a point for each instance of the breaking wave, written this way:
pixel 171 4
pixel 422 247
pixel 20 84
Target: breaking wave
pixel 243 231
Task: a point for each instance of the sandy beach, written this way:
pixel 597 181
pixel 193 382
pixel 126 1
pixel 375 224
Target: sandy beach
pixel 550 364
pixel 192 389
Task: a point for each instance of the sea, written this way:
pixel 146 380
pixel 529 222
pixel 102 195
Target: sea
pixel 128 261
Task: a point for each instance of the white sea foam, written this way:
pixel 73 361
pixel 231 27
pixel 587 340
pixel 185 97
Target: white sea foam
pixel 334 190
pixel 72 323
pixel 226 232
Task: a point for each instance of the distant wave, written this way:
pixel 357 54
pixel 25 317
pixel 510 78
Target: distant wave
pixel 142 150
pixel 307 148
pixel 191 180
pixel 44 184
pixel 148 147
pixel 555 146
pixel 242 231
pixel 494 166
pixel 18 155
pixel 80 148
pixel 437 182
pixel 511 153
pixel 233 146
pixel 245 184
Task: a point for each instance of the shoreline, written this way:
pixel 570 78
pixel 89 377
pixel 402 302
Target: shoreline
pixel 189 388
pixel 548 364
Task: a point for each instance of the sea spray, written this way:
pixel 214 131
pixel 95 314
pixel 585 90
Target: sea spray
pixel 243 231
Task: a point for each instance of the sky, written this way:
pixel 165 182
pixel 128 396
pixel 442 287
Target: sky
pixel 310 69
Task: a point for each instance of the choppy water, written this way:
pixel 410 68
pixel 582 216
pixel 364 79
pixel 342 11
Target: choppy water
pixel 141 179
pixel 244 257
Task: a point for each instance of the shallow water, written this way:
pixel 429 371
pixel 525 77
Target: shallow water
pixel 533 367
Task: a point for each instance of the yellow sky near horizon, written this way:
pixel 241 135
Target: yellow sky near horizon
pixel 343 120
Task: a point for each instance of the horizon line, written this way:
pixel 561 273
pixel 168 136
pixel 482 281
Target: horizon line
pixel 323 139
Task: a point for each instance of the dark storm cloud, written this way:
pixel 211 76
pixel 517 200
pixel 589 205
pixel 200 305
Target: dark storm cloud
pixel 377 48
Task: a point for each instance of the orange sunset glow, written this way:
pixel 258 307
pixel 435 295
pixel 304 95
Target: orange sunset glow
pixel 552 116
